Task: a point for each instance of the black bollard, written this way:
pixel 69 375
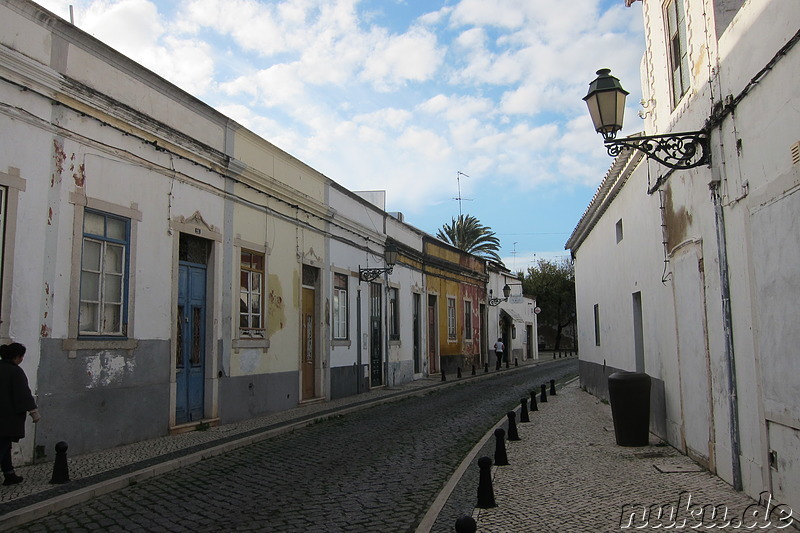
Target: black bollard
pixel 466 524
pixel 444 377
pixel 458 373
pixel 500 456
pixel 473 370
pixel 485 489
pixel 486 367
pixel 534 407
pixel 516 362
pixel 60 467
pixel 543 398
pixel 552 387
pixel 512 426
pixel 507 362
pixel 554 355
pixel 523 413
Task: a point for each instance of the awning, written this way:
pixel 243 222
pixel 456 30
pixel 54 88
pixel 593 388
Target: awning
pixel 512 315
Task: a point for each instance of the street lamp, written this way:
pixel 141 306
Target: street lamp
pixel 496 301
pixel 606 102
pixel 389 257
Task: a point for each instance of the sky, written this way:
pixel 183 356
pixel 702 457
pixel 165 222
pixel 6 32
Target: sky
pixel 420 98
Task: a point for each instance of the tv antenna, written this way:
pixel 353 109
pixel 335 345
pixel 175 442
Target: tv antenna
pixel 459 198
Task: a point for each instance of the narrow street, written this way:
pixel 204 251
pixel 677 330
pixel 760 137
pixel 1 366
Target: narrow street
pixel 375 470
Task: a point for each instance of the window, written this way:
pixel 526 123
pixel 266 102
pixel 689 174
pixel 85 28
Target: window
pixel 678 50
pixel 3 195
pixel 251 294
pixel 104 269
pixel 394 315
pixel 468 320
pixel 451 318
pixel 619 230
pixel 340 330
pixel 597 324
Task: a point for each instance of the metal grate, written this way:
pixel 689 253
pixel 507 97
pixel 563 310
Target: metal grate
pixel 796 153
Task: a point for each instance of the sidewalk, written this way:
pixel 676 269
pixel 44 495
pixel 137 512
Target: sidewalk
pixel 105 471
pixel 568 474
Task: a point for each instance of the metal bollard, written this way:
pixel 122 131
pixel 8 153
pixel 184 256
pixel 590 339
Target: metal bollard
pixel 466 524
pixel 486 367
pixel 534 407
pixel 516 362
pixel 473 370
pixel 458 372
pixel 543 398
pixel 485 489
pixel 444 377
pixel 523 413
pixel 552 387
pixel 554 355
pixel 507 362
pixel 60 467
pixel 500 456
pixel 512 426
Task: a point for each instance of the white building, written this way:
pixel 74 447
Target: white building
pixel 691 275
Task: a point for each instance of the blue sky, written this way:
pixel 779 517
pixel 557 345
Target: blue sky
pixel 402 95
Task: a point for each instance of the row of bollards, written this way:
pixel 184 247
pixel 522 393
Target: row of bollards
pixel 486 499
pixel 564 353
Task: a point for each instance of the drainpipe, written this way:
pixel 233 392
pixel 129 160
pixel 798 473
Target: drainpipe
pixel 727 318
pixel 359 369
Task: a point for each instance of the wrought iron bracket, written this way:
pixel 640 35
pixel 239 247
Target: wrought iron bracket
pixel 678 151
pixel 496 301
pixel 369 274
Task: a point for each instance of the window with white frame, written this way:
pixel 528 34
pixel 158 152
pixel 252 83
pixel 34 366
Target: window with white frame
pixel 678 50
pixel 3 195
pixel 468 320
pixel 104 274
pixel 394 315
pixel 251 294
pixel 451 318
pixel 340 330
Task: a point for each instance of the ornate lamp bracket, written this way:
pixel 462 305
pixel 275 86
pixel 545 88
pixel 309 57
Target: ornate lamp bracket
pixel 678 151
pixel 369 274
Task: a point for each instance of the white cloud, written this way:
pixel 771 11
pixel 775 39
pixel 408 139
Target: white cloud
pixel 412 56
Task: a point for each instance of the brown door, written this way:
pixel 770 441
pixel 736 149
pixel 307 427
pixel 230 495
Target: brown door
pixel 433 337
pixel 308 364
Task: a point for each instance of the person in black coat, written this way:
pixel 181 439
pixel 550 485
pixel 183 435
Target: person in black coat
pixel 15 400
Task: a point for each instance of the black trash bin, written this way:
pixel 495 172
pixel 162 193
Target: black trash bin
pixel 629 393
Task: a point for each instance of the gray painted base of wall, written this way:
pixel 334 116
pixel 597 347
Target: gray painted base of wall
pixel 245 397
pixel 594 379
pixel 102 398
pixel 344 381
pixel 400 372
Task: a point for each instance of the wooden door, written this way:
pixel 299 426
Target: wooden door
pixel 308 365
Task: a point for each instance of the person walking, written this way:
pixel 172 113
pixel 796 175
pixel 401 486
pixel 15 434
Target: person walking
pixel 15 400
pixel 498 351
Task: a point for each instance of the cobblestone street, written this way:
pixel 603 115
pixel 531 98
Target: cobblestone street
pixel 374 470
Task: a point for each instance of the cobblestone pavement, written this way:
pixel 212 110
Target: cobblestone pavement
pixel 567 474
pixel 377 469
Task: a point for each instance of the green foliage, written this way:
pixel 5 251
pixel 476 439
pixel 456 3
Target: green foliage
pixel 468 234
pixel 552 283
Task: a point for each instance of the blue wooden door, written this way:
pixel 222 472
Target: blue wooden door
pixel 190 357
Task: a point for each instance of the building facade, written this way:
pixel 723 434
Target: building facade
pixel 699 289
pixel 168 268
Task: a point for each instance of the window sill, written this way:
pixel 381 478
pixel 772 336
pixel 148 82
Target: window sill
pixel 248 342
pixel 394 342
pixel 341 342
pixel 102 343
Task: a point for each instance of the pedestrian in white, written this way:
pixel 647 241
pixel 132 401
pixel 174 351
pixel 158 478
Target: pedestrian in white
pixel 499 347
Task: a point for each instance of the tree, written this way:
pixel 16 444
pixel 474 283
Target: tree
pixel 468 234
pixel 553 285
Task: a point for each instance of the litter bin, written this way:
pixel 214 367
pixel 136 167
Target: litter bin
pixel 629 393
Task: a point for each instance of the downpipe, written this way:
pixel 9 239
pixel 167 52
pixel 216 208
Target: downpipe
pixel 727 320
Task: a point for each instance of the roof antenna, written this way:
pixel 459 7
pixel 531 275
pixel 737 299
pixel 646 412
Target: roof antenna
pixel 459 198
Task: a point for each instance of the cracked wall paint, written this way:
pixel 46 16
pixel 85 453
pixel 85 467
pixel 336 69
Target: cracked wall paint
pixel 106 368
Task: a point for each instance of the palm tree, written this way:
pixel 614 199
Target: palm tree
pixel 468 234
